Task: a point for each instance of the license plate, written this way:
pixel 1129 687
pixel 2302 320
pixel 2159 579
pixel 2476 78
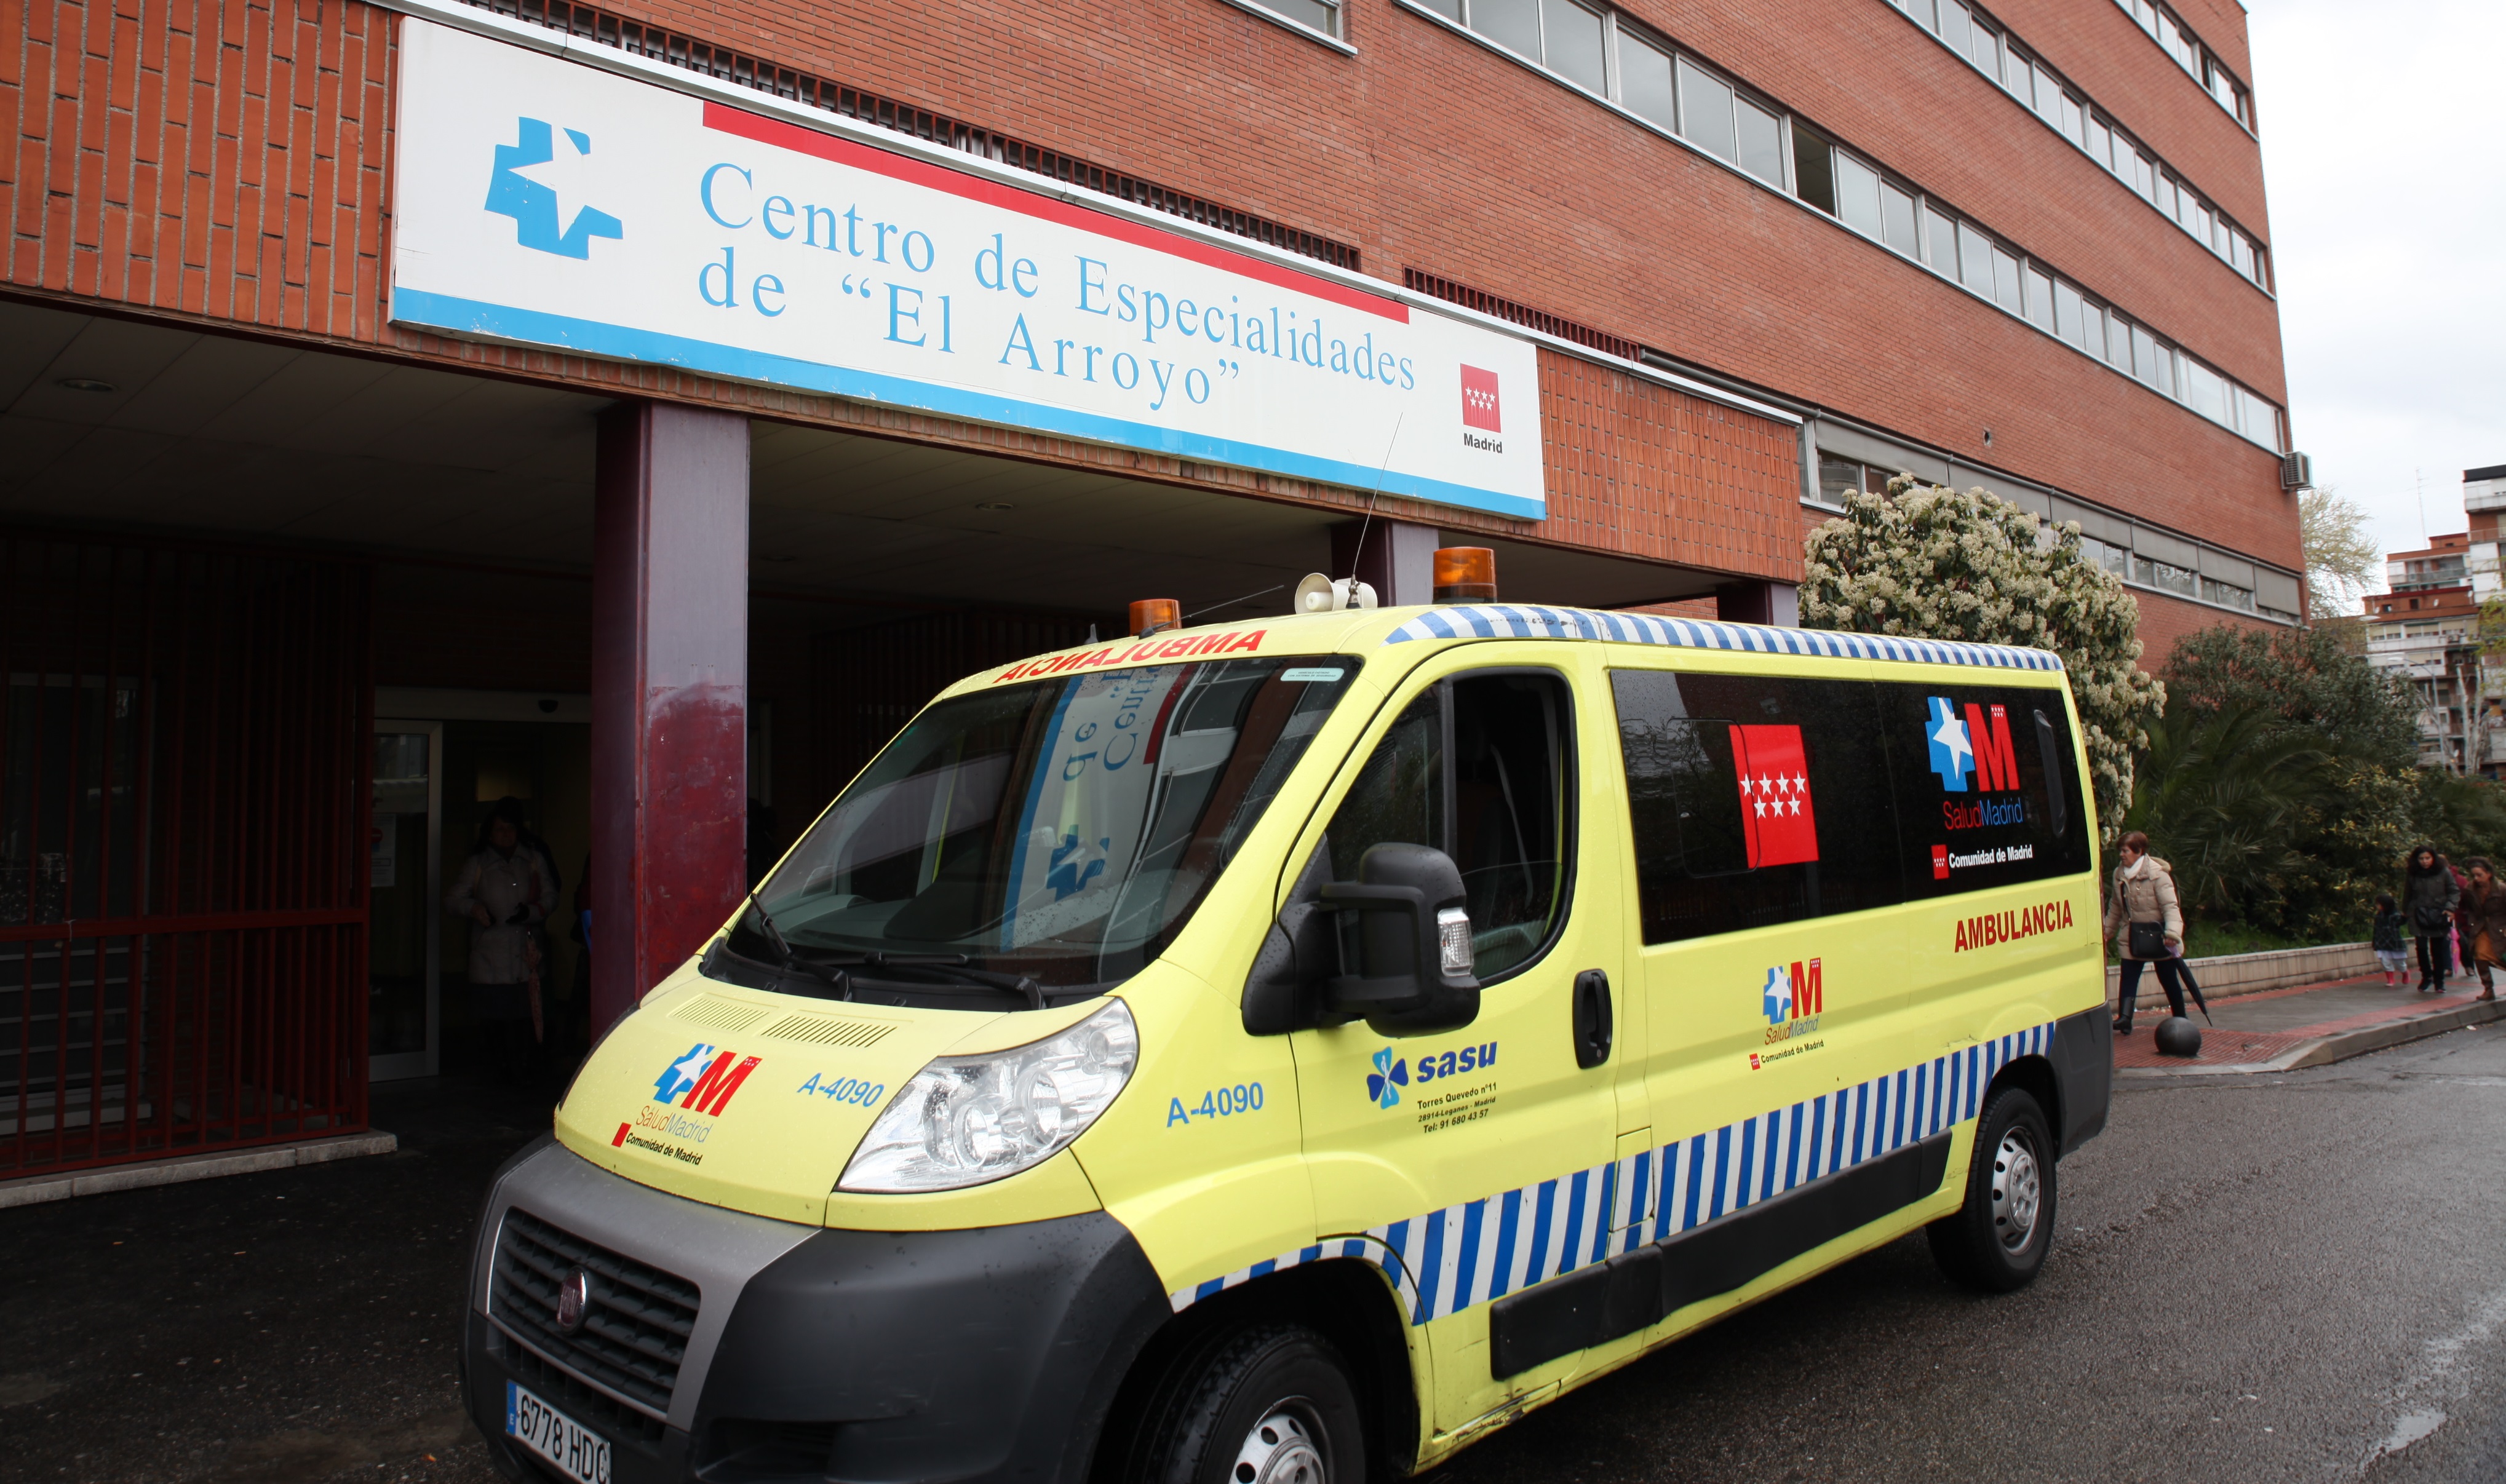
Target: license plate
pixel 575 1449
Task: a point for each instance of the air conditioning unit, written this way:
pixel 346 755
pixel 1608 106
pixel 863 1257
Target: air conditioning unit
pixel 2295 471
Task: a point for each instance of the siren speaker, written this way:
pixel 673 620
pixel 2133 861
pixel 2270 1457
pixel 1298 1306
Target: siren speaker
pixel 1320 594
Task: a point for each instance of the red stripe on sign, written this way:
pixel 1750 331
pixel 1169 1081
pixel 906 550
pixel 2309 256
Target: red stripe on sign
pixel 725 120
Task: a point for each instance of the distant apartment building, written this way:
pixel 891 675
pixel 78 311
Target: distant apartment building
pixel 2428 629
pixel 2484 501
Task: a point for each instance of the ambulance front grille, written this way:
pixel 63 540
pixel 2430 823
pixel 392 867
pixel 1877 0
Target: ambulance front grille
pixel 635 1327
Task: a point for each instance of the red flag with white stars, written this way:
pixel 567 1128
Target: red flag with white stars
pixel 1774 795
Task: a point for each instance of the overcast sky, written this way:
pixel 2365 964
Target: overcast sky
pixel 2384 130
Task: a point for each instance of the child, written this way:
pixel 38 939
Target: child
pixel 2389 949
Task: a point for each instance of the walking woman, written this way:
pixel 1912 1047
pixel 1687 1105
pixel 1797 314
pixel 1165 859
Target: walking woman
pixel 2146 926
pixel 2429 898
pixel 505 889
pixel 2484 923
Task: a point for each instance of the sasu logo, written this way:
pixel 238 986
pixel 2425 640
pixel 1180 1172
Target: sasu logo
pixel 1391 1074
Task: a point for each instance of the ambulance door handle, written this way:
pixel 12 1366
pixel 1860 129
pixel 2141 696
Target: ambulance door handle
pixel 1593 1019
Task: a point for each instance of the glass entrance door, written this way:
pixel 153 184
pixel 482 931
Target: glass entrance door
pixel 403 1019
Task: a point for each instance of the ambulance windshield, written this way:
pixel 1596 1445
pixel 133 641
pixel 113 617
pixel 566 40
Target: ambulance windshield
pixel 1061 830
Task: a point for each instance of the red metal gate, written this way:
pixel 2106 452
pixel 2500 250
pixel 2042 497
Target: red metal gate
pixel 183 815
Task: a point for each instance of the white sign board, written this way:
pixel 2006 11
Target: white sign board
pixel 550 203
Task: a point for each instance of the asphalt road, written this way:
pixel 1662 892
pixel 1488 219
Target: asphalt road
pixel 2299 1277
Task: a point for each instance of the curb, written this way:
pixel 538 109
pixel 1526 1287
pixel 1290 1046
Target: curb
pixel 2324 1050
pixel 36 1189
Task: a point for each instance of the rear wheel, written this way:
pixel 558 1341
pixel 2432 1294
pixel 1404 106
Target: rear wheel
pixel 1260 1404
pixel 1997 1240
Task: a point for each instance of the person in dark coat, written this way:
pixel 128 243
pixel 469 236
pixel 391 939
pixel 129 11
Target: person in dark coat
pixel 2429 898
pixel 2484 923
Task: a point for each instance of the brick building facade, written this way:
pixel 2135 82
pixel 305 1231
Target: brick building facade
pixel 1760 252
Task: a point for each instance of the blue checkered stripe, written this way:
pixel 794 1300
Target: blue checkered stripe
pixel 1448 1260
pixel 1517 621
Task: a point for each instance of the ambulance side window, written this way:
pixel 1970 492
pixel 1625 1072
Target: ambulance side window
pixel 1753 800
pixel 1480 767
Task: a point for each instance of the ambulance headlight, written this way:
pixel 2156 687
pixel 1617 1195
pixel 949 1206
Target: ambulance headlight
pixel 965 1120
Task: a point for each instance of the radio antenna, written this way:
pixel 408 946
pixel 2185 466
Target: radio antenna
pixel 1358 551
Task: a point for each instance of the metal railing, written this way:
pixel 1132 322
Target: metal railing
pixel 182 809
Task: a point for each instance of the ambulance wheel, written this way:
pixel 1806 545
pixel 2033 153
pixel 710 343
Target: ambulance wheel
pixel 1997 1240
pixel 1267 1404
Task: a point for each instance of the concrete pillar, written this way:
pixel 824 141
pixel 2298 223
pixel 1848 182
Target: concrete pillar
pixel 669 691
pixel 1398 559
pixel 1759 602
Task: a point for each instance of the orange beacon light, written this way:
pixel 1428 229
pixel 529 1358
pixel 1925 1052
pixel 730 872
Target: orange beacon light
pixel 1465 575
pixel 1150 615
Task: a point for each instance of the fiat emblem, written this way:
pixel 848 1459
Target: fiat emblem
pixel 573 1297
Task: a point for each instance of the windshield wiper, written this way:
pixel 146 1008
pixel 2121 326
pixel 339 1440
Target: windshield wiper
pixel 788 961
pixel 834 970
pixel 981 978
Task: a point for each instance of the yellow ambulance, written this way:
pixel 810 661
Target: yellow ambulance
pixel 1283 1052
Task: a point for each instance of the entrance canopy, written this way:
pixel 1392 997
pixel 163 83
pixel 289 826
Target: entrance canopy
pixel 149 426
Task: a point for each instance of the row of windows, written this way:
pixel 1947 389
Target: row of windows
pixel 2165 576
pixel 2177 41
pixel 1999 56
pixel 1838 478
pixel 1607 55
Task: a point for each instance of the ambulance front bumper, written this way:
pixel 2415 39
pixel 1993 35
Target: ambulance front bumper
pixel 736 1350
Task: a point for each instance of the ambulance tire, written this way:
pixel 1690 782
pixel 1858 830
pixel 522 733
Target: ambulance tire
pixel 1997 1240
pixel 1265 1404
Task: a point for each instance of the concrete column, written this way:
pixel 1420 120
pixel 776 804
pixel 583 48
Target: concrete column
pixel 669 691
pixel 1759 602
pixel 1398 559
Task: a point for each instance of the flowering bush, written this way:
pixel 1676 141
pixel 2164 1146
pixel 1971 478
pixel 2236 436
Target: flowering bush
pixel 1932 563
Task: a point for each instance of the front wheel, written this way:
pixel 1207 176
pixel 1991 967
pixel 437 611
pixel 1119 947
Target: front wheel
pixel 1260 1404
pixel 1997 1240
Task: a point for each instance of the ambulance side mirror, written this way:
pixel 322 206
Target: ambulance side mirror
pixel 1405 932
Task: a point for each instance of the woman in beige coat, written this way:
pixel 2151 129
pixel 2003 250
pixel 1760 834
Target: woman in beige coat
pixel 2144 892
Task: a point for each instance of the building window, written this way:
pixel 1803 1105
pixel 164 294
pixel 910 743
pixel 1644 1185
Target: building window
pixel 1897 220
pixel 1644 82
pixel 1762 142
pixel 1813 169
pixel 1513 25
pixel 2040 300
pixel 2151 573
pixel 1975 260
pixel 1705 113
pixel 1573 38
pixel 1836 479
pixel 1940 242
pixel 1857 195
pixel 2005 282
pixel 1314 15
pixel 2226 594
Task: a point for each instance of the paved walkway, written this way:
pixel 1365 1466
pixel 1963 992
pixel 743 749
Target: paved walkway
pixel 2267 1031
